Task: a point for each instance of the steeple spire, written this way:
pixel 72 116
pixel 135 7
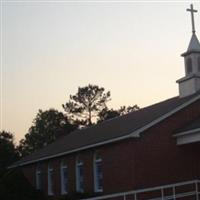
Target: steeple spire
pixel 190 83
pixel 194 45
pixel 192 17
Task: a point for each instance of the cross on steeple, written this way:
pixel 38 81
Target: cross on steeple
pixel 190 83
pixel 192 17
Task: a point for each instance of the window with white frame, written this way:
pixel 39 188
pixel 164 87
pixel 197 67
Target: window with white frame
pixel 98 173
pixel 38 177
pixel 64 177
pixel 50 179
pixel 79 175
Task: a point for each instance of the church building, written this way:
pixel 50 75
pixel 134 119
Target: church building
pixel 152 153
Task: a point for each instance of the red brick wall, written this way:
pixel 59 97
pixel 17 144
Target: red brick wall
pixel 116 169
pixel 150 160
pixel 159 160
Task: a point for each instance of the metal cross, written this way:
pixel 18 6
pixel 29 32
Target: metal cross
pixel 192 17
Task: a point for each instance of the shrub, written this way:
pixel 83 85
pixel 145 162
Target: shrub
pixel 14 186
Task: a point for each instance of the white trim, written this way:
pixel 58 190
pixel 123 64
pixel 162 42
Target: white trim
pixel 133 192
pixel 188 137
pixel 137 132
pixel 133 134
pixel 63 166
pixel 74 150
pixel 186 132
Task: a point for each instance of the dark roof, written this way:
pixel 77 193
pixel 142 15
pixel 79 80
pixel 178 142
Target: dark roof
pixel 191 126
pixel 105 131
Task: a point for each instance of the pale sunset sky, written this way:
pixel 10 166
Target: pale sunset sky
pixel 50 48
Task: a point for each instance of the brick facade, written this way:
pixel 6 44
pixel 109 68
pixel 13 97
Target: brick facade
pixel 150 160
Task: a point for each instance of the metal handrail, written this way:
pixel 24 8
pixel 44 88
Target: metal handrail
pixel 161 188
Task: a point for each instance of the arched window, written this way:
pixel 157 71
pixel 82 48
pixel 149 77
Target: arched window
pixel 50 179
pixel 98 173
pixel 39 177
pixel 79 175
pixel 64 177
pixel 189 65
pixel 198 62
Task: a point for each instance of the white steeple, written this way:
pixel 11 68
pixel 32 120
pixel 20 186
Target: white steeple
pixel 190 84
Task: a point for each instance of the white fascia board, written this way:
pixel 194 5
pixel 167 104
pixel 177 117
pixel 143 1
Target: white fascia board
pixel 138 131
pixel 188 138
pixel 73 151
pixel 187 132
pixel 134 134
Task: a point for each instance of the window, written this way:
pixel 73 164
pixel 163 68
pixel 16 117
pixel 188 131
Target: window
pixel 79 175
pixel 38 177
pixel 198 61
pixel 64 177
pixel 189 65
pixel 98 173
pixel 50 179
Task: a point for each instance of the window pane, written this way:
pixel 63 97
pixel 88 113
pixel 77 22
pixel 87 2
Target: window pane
pixel 98 173
pixel 50 180
pixel 64 178
pixel 38 180
pixel 80 177
pixel 39 177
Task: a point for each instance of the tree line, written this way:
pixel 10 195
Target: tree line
pixel 84 109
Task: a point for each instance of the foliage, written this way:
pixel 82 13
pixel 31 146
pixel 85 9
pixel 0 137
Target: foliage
pixel 106 113
pixel 47 126
pixel 14 186
pixel 84 107
pixel 8 153
pixel 125 110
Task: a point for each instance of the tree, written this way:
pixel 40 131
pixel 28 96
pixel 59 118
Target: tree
pixel 106 113
pixel 47 126
pixel 8 152
pixel 125 110
pixel 84 107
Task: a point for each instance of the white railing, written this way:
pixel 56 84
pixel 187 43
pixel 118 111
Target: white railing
pixel 174 191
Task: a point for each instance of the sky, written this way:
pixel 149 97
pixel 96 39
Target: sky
pixel 50 48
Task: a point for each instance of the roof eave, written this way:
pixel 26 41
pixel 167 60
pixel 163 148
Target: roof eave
pixel 75 150
pixel 139 131
pixel 134 134
pixel 186 132
pixel 190 52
